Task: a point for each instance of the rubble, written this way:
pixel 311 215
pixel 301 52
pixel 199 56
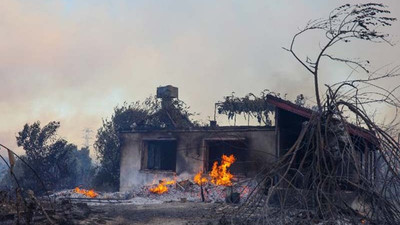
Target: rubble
pixel 71 207
pixel 28 209
pixel 185 189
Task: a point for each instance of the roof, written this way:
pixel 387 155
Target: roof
pixel 307 113
pixel 207 128
pixel 289 106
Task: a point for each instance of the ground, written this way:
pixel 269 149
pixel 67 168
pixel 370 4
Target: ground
pixel 172 213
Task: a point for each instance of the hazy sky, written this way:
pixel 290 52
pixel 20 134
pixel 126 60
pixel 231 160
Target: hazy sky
pixel 73 61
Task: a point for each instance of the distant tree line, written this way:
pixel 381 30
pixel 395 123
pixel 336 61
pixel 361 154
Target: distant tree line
pixel 59 164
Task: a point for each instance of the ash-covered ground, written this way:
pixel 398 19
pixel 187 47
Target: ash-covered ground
pixel 169 213
pixel 184 190
pixel 181 204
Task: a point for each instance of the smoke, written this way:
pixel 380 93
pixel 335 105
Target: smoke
pixel 74 61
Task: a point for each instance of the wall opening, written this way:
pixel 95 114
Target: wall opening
pixel 160 155
pixel 217 148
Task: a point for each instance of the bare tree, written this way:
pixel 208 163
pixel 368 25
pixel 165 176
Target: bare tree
pixel 315 179
pixel 344 24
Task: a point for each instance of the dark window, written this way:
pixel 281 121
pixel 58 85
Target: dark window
pixel 161 155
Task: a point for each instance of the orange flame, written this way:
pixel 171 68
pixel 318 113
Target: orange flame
pixel 220 174
pixel 89 193
pixel 161 187
pixel 199 179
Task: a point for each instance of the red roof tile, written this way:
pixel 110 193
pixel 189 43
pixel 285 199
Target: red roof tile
pixel 307 113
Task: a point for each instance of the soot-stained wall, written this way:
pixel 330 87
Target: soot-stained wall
pixel 191 152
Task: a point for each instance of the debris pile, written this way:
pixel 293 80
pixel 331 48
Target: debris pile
pixel 26 208
pixel 161 188
pixel 89 193
pixel 177 191
pixel 200 179
pixel 189 190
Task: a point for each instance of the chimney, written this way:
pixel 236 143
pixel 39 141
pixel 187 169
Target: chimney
pixel 167 92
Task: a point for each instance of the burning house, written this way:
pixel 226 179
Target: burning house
pixel 182 151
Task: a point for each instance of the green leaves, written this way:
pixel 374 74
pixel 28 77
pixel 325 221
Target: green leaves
pixel 38 142
pixel 249 105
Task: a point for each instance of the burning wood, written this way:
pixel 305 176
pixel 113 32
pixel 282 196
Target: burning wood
pixel 220 175
pixel 161 187
pixel 199 179
pixel 89 193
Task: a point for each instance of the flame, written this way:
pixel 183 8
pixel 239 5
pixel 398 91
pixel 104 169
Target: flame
pixel 199 179
pixel 89 193
pixel 161 187
pixel 220 174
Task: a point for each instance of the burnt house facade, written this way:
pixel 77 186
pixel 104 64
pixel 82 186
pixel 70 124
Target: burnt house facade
pixel 151 155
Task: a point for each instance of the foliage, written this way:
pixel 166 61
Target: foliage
pixel 3 170
pixel 173 113
pixel 152 114
pixel 107 149
pixel 40 143
pixel 300 100
pixel 250 105
pixel 58 163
